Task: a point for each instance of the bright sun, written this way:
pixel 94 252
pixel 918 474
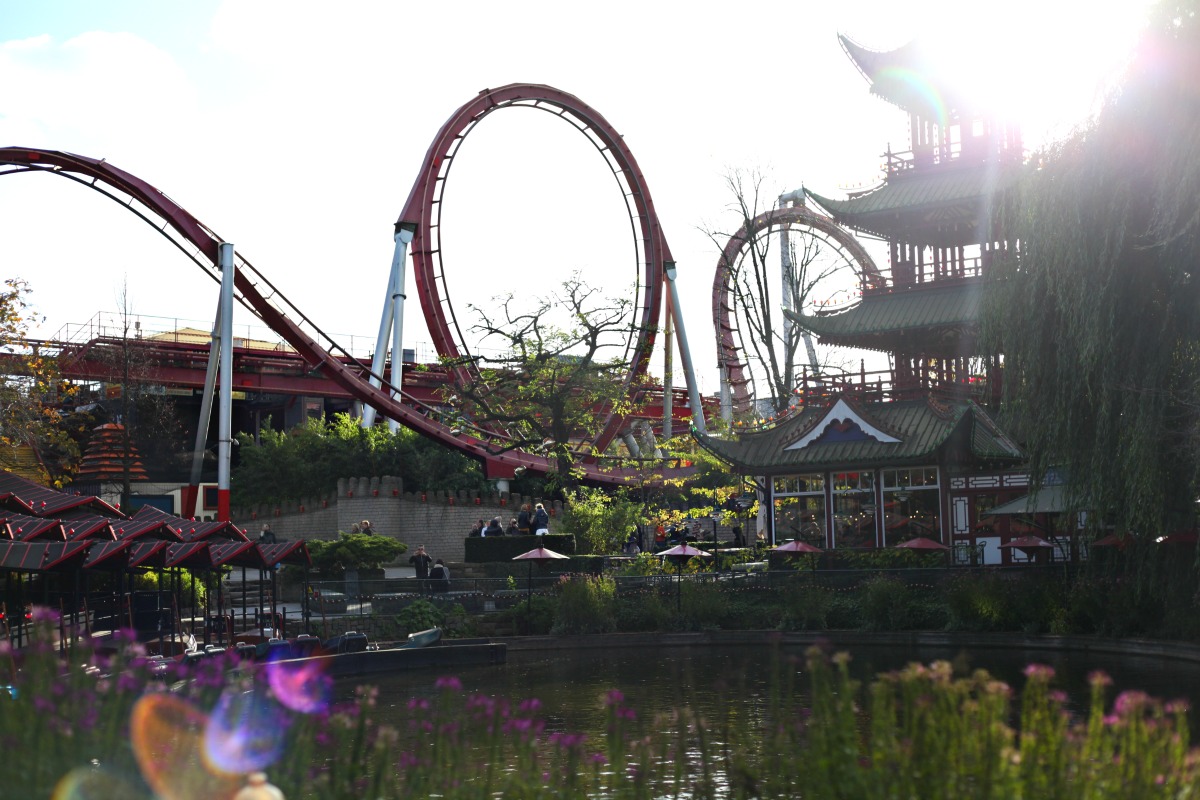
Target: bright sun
pixel 1044 64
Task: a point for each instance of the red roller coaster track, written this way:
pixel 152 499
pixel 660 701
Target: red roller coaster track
pixel 421 214
pixel 722 297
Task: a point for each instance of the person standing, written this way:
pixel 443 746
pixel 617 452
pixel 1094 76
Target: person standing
pixel 266 535
pixel 477 529
pixel 541 520
pixel 494 528
pixel 512 528
pixel 524 521
pixel 420 561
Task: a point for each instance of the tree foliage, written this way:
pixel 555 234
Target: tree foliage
pixel 31 392
pixel 308 461
pixel 353 551
pixel 1098 318
pixel 549 388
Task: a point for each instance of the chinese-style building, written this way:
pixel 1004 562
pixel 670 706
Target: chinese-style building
pixel 869 464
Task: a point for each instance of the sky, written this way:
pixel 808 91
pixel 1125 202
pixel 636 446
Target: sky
pixel 295 130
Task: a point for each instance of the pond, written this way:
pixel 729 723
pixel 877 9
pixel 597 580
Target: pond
pixel 572 684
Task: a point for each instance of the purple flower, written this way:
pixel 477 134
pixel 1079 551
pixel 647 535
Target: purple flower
pixel 1131 702
pixel 449 683
pixel 598 758
pixel 614 697
pixel 1039 672
pixel 1099 678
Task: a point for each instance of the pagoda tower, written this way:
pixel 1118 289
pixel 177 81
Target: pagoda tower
pixel 937 210
pixel 105 459
pixel 920 462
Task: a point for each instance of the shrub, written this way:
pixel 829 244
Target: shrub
pixel 601 520
pixel 643 611
pixel 420 615
pixel 805 605
pixel 885 604
pixel 586 604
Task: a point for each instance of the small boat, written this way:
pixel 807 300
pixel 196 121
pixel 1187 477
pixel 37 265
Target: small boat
pixel 420 639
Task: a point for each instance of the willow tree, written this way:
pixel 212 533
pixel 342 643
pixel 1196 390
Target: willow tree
pixel 1099 319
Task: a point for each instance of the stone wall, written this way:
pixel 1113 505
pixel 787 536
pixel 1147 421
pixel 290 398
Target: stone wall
pixel 438 520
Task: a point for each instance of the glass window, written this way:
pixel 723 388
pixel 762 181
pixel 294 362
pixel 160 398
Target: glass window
pixel 911 504
pixel 800 484
pixel 854 512
pixel 800 518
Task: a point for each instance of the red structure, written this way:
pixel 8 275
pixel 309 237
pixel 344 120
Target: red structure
pixel 421 212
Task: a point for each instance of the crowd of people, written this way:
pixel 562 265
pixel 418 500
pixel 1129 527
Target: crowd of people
pixel 535 520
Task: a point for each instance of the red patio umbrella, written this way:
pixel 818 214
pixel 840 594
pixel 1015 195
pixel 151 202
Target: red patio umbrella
pixel 680 554
pixel 1117 540
pixel 921 543
pixel 796 547
pixel 538 555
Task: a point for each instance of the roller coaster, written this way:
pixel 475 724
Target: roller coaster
pixel 420 222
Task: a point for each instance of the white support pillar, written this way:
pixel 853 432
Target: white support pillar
pixel 225 414
pixel 684 352
pixel 379 359
pixel 403 237
pixel 189 497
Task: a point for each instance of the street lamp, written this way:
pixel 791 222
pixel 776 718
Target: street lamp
pixel 716 519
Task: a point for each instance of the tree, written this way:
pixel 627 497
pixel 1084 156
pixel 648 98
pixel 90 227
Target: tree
pixel 353 551
pixel 548 388
pixel 31 392
pixel 308 461
pixel 809 266
pixel 1098 318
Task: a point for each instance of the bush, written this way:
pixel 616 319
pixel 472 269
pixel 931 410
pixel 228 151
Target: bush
pixel 805 605
pixel 586 604
pixel 539 621
pixel 420 615
pixel 601 521
pixel 489 549
pixel 885 604
pixel 643 611
pixel 701 605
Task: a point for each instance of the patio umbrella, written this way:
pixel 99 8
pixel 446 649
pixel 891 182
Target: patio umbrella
pixel 1117 540
pixel 1027 544
pixel 921 543
pixel 680 554
pixel 796 548
pixel 538 555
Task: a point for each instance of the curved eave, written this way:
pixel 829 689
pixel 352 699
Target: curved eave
pixel 930 314
pixel 908 78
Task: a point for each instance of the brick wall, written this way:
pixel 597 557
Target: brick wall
pixel 438 520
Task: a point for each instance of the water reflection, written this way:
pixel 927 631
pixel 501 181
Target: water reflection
pixel 722 680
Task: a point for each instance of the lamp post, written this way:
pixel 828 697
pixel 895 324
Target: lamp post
pixel 716 520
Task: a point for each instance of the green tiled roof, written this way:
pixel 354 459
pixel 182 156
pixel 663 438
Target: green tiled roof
pixel 921 307
pixel 923 427
pixel 941 198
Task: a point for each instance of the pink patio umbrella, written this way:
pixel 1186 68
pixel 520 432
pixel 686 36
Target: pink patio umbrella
pixel 797 548
pixel 1029 543
pixel 680 554
pixel 922 543
pixel 538 555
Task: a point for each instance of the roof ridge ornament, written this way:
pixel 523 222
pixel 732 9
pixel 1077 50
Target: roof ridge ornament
pixel 839 419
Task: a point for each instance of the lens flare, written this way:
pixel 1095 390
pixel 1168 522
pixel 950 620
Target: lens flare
pixel 244 733
pixel 301 685
pixel 167 735
pixel 90 783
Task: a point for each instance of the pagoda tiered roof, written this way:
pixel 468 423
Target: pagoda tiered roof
pixel 935 318
pixel 845 431
pixel 909 77
pixel 940 208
